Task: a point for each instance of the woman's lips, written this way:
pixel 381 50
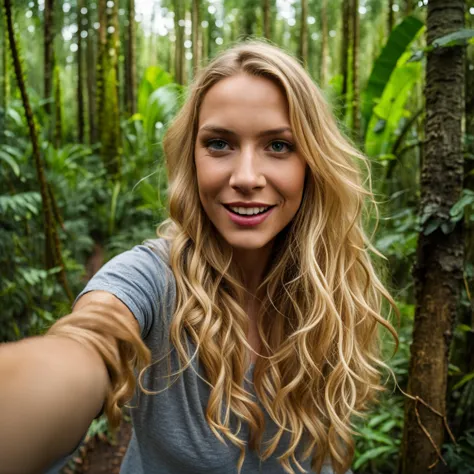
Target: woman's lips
pixel 249 220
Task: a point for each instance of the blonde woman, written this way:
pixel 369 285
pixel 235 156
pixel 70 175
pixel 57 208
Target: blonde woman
pixel 252 320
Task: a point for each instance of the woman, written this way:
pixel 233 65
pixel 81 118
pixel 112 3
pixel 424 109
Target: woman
pixel 260 294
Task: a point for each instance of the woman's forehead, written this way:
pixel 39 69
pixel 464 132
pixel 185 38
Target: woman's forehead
pixel 244 100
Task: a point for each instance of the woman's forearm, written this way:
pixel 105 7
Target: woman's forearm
pixel 51 387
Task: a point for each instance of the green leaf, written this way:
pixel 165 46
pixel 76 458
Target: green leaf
pixel 372 454
pixel 391 108
pixel 10 162
pixel 376 436
pixel 466 199
pixel 464 380
pixel 460 37
pixel 400 38
pixel 153 79
pixel 432 225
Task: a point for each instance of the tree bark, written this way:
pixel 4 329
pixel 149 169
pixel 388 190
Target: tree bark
pixel 179 43
pixel 303 46
pixel 80 73
pixel 390 17
pixel 266 19
pixel 58 110
pixel 48 52
pixel 438 270
pixel 345 45
pixel 131 82
pixel 91 77
pixel 5 69
pixel 101 64
pixel 110 111
pixel 323 75
pixel 53 255
pixel 195 35
pixel 355 70
pixel 249 18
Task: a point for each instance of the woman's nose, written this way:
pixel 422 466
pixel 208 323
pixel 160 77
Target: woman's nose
pixel 246 174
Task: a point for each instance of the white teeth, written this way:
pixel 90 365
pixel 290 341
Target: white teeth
pixel 248 211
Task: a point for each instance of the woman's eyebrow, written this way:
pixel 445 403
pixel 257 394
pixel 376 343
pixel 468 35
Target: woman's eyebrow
pixel 225 131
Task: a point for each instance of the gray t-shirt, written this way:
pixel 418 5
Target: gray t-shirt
pixel 170 432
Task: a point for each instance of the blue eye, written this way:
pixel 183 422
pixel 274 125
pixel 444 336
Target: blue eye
pixel 278 146
pixel 218 145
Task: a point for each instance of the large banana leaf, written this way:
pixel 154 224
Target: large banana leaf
pixel 388 113
pixel 159 98
pixel 153 79
pixel 399 40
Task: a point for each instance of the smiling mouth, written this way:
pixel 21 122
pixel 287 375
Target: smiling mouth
pixel 249 215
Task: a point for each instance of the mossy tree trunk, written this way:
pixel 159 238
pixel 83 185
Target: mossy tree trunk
pixel 91 77
pixel 53 254
pixel 179 42
pixel 355 70
pixel 266 19
pixel 390 17
pixel 5 67
pixel 323 72
pixel 80 73
pixel 131 67
pixel 110 112
pixel 48 52
pixel 101 64
pixel 196 20
pixel 345 48
pixel 438 270
pixel 58 109
pixel 303 44
pixel 249 18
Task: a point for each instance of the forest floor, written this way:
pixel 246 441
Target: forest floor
pixel 98 455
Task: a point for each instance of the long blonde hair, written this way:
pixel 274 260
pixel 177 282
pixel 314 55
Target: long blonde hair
pixel 321 298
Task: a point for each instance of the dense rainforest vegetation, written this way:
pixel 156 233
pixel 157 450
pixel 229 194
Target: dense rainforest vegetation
pixel 87 88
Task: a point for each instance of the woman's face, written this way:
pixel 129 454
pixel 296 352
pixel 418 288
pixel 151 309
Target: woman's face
pixel 246 159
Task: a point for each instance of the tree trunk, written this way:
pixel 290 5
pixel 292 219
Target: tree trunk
pixel 58 109
pixel 5 69
pixel 249 18
pixel 355 70
pixel 323 74
pixel 390 18
pixel 101 64
pixel 266 19
pixel 91 77
pixel 110 113
pixel 48 52
pixel 80 73
pixel 131 63
pixel 438 271
pixel 179 43
pixel 408 7
pixel 345 44
pixel 114 44
pixel 195 33
pixel 53 255
pixel 303 46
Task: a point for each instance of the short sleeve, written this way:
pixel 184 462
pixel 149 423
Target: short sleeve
pixel 139 278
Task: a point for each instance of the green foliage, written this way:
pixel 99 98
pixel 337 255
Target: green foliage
pixel 390 110
pixel 460 457
pixel 399 40
pixel 379 435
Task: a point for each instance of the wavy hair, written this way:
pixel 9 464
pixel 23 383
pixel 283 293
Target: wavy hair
pixel 321 299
